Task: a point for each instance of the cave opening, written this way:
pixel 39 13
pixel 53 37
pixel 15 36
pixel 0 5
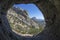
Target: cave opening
pixel 51 13
pixel 26 19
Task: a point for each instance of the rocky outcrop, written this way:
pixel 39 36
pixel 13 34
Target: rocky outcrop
pixel 51 11
pixel 21 22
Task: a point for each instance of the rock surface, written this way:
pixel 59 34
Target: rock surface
pixel 51 11
pixel 21 22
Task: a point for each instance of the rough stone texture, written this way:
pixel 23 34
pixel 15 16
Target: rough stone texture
pixel 51 11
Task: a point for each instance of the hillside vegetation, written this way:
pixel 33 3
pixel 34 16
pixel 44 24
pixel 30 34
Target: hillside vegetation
pixel 21 22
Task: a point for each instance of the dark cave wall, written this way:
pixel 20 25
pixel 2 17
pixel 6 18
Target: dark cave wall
pixel 51 11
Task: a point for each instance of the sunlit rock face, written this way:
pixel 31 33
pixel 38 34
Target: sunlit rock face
pixel 51 12
pixel 21 22
pixel 22 15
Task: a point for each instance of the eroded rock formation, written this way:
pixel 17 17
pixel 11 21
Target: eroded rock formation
pixel 20 22
pixel 51 11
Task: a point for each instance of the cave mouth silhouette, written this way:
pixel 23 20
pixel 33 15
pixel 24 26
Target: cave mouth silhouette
pixel 33 13
pixel 51 11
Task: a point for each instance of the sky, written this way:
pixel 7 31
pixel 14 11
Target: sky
pixel 32 10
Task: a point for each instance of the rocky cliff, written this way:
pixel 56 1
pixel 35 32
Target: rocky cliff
pixel 21 22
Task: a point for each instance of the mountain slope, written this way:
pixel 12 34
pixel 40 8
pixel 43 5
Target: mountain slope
pixel 21 22
pixel 41 22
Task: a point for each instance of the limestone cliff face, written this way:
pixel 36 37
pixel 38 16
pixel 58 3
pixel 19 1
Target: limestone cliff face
pixel 20 21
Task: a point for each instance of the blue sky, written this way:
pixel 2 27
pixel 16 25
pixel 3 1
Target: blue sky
pixel 33 11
